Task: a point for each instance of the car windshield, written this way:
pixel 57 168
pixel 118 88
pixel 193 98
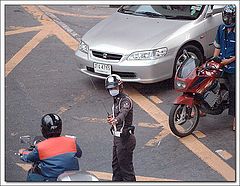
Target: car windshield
pixel 187 67
pixel 188 12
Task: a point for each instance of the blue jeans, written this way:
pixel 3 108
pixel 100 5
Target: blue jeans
pixel 38 177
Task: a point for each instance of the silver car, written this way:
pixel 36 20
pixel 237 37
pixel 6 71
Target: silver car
pixel 144 43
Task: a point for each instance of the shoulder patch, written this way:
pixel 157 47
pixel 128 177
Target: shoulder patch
pixel 126 105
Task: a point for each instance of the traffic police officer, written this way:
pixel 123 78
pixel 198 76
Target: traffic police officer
pixel 225 48
pixel 55 154
pixel 124 141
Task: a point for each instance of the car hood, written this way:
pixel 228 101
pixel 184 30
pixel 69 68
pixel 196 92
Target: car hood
pixel 123 33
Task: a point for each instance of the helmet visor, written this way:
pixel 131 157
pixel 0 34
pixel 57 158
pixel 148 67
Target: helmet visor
pixel 110 85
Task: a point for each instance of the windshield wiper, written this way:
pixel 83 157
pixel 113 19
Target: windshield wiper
pixel 150 14
pixel 179 17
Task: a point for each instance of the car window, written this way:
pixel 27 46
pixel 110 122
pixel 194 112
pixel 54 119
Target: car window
pixel 188 12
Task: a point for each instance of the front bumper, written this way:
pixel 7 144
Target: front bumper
pixel 141 71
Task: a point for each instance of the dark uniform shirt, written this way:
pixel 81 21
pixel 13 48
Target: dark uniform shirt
pixel 226 42
pixel 123 111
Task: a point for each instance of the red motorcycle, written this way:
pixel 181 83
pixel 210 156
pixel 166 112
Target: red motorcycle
pixel 204 90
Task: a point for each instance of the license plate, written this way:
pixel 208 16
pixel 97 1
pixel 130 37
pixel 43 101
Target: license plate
pixel 102 68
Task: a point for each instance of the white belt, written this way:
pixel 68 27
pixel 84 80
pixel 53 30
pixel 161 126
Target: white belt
pixel 117 133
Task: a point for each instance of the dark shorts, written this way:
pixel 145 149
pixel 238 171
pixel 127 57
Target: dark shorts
pixel 232 92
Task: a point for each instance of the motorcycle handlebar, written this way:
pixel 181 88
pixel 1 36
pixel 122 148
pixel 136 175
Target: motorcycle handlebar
pixel 211 68
pixel 17 154
pixel 215 59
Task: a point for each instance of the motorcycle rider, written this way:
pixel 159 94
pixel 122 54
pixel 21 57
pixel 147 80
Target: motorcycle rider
pixel 124 141
pixel 55 154
pixel 225 48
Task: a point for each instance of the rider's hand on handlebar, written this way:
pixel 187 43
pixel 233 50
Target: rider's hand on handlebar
pixel 221 64
pixel 20 151
pixel 224 62
pixel 216 59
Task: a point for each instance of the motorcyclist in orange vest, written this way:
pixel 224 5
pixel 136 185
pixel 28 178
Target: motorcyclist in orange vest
pixel 55 154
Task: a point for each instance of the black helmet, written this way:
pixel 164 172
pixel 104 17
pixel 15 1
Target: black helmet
pixel 51 125
pixel 229 15
pixel 113 81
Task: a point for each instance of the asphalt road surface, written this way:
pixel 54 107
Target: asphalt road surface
pixel 41 77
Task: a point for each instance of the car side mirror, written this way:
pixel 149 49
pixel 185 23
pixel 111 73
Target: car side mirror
pixel 209 13
pixel 213 11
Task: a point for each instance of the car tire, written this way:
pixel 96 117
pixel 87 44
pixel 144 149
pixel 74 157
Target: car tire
pixel 193 50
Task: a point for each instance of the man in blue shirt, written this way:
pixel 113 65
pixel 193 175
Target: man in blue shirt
pixel 225 48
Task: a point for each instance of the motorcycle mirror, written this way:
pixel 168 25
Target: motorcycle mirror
pixel 185 52
pixel 25 139
pixel 38 139
pixel 77 176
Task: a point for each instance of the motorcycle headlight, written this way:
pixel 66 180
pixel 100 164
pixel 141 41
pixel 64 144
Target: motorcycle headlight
pixel 148 54
pixel 180 85
pixel 83 47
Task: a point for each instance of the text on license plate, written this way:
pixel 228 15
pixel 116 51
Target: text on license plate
pixel 102 68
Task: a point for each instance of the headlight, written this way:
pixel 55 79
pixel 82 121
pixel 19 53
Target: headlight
pixel 83 47
pixel 180 85
pixel 148 54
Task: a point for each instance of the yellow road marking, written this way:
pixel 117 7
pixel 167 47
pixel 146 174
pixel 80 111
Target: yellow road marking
pixel 47 9
pixel 102 120
pixel 155 99
pixel 199 134
pixel 49 28
pixel 65 108
pixel 61 110
pixel 104 175
pixel 24 166
pixel 193 144
pixel 52 27
pixel 23 52
pixel 209 157
pixel 108 176
pixel 158 138
pixel 15 27
pixel 23 30
pixel 37 14
pixel 67 39
pixel 149 125
pixel 160 116
pixel 224 154
pixel 92 120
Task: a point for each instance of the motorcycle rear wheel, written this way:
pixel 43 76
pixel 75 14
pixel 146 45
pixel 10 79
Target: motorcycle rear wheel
pixel 183 119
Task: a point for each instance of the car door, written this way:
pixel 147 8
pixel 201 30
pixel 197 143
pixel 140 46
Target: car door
pixel 213 19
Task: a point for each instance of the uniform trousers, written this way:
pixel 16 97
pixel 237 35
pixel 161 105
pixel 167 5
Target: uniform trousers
pixel 122 162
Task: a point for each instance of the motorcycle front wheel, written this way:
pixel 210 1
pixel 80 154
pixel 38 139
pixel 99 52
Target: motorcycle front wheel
pixel 183 119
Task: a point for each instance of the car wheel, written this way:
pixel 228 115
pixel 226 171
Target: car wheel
pixel 192 50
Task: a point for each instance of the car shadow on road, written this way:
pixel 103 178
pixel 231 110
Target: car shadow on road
pixel 153 88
